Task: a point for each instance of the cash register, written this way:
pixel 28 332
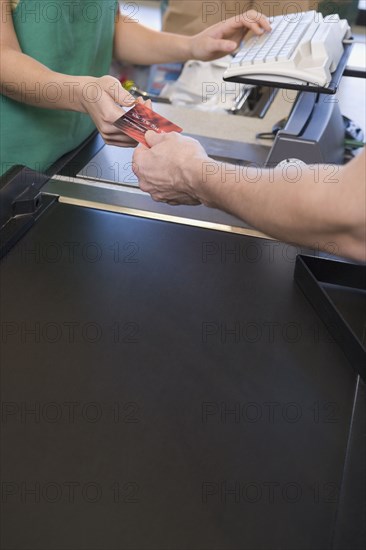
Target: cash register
pixel 166 382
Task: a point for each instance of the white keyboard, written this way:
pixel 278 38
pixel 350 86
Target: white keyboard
pixel 301 48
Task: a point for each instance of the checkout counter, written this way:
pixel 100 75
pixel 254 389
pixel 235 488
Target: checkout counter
pixel 166 383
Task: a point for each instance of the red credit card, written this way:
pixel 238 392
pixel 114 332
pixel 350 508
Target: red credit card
pixel 138 120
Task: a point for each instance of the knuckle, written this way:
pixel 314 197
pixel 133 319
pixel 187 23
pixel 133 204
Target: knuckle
pixel 143 186
pixel 104 129
pixel 134 164
pixel 108 79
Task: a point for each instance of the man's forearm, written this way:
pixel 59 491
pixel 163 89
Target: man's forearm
pixel 314 205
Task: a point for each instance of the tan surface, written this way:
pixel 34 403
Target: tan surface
pixel 227 126
pixel 192 16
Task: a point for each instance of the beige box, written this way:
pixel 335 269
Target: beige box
pixel 192 16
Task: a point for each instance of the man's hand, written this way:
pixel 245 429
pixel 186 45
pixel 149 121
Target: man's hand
pixel 171 168
pixel 101 98
pixel 225 37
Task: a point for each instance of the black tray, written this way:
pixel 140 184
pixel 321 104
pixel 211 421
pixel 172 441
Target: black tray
pixel 337 291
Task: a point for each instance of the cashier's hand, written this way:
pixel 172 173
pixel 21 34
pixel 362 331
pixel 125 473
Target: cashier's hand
pixel 225 37
pixel 102 98
pixel 169 169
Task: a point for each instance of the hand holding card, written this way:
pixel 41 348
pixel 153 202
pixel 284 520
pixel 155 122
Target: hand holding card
pixel 138 120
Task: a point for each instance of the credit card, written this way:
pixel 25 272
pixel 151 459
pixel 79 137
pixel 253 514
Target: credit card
pixel 138 120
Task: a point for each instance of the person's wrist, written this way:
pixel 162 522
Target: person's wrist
pixel 194 172
pixel 191 47
pixel 205 181
pixel 83 97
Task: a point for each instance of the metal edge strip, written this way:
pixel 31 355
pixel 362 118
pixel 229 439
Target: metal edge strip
pixel 164 217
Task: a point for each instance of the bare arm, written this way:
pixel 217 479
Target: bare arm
pixel 24 79
pixel 315 206
pixel 100 97
pixel 138 44
pixel 20 73
pixel 135 43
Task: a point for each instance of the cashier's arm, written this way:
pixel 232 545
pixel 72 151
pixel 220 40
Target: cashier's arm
pixel 138 44
pixel 21 74
pixel 320 206
pixel 24 79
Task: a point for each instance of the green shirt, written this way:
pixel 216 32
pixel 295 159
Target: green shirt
pixel 73 38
